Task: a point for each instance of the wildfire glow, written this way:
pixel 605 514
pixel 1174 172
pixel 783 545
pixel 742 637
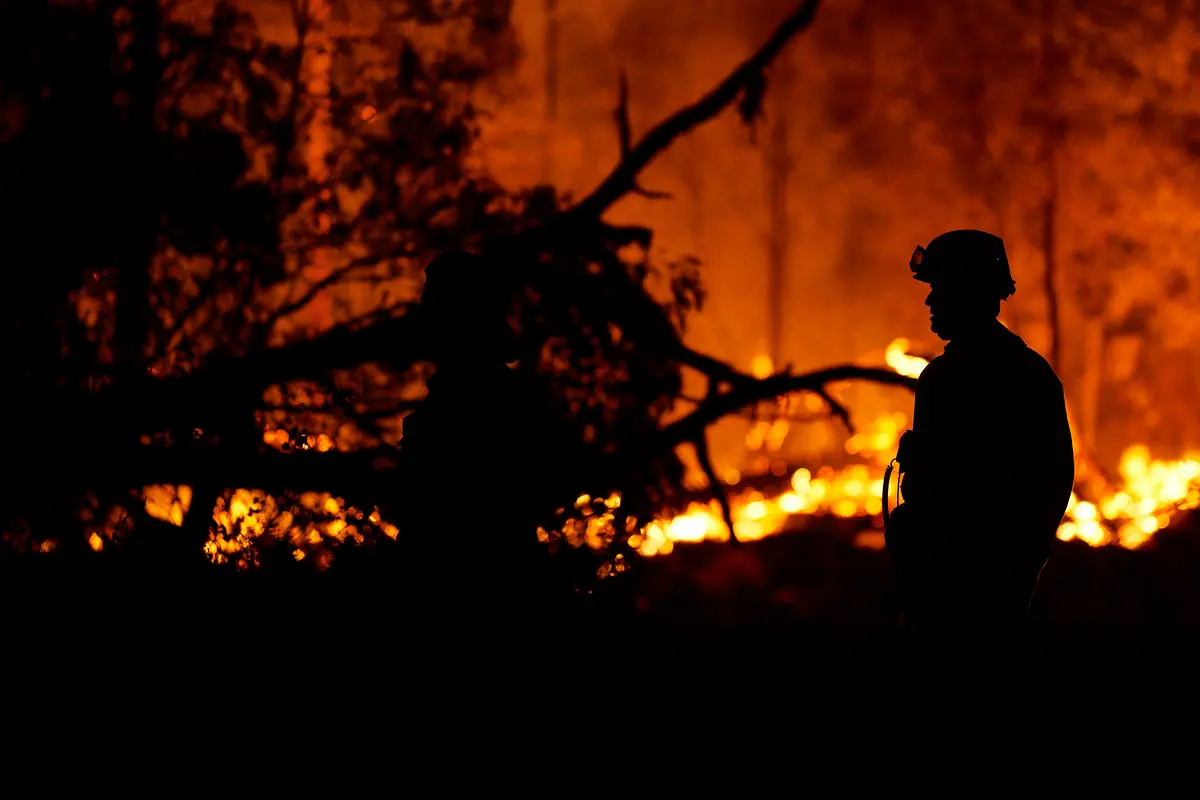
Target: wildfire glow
pixel 897 358
pixel 1149 495
pixel 311 523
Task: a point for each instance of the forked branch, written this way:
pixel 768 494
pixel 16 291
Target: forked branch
pixel 623 178
pixel 747 390
pixel 625 135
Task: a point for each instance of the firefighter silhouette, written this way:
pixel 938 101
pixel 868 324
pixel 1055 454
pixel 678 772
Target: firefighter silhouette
pixel 988 467
pixel 471 452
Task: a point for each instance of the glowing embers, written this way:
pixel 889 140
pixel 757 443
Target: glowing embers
pixel 1150 495
pixel 310 524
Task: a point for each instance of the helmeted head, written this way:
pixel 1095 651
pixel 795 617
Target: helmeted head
pixel 968 275
pixel 463 311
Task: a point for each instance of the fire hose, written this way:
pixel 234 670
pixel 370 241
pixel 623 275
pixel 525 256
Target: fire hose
pixel 887 479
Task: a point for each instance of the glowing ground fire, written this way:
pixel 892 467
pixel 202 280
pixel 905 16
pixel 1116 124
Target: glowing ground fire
pixel 1152 492
pixel 313 524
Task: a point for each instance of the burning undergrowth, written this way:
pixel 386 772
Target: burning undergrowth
pixel 616 354
pixel 249 527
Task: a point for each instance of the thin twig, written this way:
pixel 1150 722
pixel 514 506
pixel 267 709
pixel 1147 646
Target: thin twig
pixel 625 136
pixel 623 177
pixel 751 390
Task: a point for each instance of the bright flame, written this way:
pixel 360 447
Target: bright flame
pixel 311 524
pixel 770 432
pixel 761 366
pixel 1151 494
pixel 897 358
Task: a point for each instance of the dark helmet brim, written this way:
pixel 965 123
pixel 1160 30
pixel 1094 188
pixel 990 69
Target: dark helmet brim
pixel 920 265
pixel 970 259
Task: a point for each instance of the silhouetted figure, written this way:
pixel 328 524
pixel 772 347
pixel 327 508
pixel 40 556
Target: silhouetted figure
pixel 477 459
pixel 988 466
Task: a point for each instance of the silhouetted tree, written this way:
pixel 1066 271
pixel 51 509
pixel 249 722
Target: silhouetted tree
pixel 168 221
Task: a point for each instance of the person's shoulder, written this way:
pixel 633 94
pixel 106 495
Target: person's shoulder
pixel 937 370
pixel 1037 368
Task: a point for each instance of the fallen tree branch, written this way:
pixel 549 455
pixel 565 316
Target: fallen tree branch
pixel 751 390
pixel 717 370
pixel 348 347
pixel 693 428
pixel 835 408
pixel 625 135
pixel 314 290
pixel 237 382
pixel 623 177
pixel 215 394
pixel 362 474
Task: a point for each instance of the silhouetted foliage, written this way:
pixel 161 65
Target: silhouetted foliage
pixel 163 169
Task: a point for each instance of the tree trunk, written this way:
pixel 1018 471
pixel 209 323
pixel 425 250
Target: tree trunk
pixel 133 275
pixel 778 173
pixel 1092 379
pixel 551 89
pixel 1049 255
pixel 1052 135
pixel 318 71
pixel 778 165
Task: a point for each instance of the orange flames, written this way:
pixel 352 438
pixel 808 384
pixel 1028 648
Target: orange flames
pixel 312 524
pixel 1152 492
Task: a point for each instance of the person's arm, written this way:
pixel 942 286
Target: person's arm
pixel 1045 468
pixel 936 453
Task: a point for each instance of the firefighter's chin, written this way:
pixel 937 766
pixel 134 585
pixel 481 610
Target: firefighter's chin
pixel 939 328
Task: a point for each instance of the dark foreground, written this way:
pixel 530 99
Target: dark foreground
pixel 794 599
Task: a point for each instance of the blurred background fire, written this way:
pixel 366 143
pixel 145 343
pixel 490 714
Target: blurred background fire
pixel 299 162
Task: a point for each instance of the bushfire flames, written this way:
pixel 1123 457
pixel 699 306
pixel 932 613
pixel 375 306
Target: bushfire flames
pixel 1152 492
pixel 313 524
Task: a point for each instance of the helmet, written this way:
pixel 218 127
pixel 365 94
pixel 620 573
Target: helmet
pixel 967 259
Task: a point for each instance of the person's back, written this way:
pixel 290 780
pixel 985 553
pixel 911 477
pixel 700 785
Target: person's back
pixel 471 451
pixel 988 466
pixel 474 456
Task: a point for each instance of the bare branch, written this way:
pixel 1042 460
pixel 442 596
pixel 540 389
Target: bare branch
pixel 835 408
pixel 650 194
pixel 751 414
pixel 367 423
pixel 290 134
pixel 751 390
pixel 714 368
pixel 205 293
pixel 746 391
pixel 718 370
pixel 625 136
pixel 229 384
pixel 623 178
pixel 718 489
pixel 621 114
pixel 311 293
